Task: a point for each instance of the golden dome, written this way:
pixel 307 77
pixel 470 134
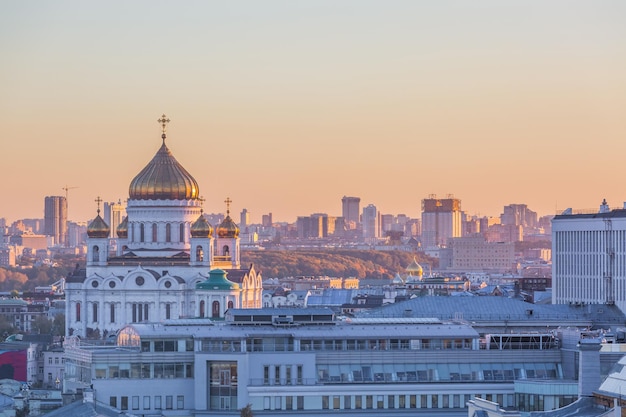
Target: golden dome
pixel 98 228
pixel 228 228
pixel 163 179
pixel 201 228
pixel 122 229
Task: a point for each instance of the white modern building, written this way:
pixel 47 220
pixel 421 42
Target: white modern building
pixel 589 257
pixel 166 262
pixel 442 219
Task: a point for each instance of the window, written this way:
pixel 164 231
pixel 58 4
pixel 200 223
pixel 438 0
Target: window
pixel 169 402
pixel 289 403
pixel 141 232
pixel 325 402
pixel 202 308
pixel 124 405
pixel 181 233
pixel 277 375
pixel 96 254
pixel 113 402
pixel 266 403
pixel 135 404
pixel 347 404
pixel 146 402
pixel 94 312
pixel 215 310
pixel 112 313
pixel 154 232
pixel 157 402
pixel 299 374
pixel 336 402
pixel 168 232
pixel 168 311
pixel 77 311
pixel 266 375
pixel 199 254
pixel 300 401
pixel 180 402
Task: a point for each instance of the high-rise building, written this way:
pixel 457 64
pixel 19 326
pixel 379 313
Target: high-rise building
pixel 518 215
pixel 370 222
pixel 589 257
pixel 113 214
pixel 350 211
pixel 55 219
pixel 441 219
pixel 244 219
pixel 266 220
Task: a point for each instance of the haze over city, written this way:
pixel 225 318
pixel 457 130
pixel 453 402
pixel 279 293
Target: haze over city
pixel 285 107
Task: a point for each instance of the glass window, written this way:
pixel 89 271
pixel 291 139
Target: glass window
pixel 135 400
pixel 124 405
pixel 113 402
pixel 169 402
pixel 157 402
pixel 146 402
pixel 325 400
pixel 180 402
pixel 336 402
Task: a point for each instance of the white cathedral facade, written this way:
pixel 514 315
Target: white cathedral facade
pixel 167 262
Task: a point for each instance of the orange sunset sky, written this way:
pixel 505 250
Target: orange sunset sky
pixel 286 106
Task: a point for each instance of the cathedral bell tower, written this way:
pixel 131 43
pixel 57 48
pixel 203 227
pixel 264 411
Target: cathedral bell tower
pixel 98 242
pixel 227 243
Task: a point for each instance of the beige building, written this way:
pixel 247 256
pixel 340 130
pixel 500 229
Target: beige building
pixel 476 254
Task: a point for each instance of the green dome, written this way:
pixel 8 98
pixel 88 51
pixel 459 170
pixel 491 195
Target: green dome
pixel 217 281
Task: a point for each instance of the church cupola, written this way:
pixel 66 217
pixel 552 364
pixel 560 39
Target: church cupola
pixel 201 242
pixel 227 242
pixel 122 229
pixel 163 178
pixel 98 240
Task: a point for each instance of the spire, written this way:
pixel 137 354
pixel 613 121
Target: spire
pixel 163 121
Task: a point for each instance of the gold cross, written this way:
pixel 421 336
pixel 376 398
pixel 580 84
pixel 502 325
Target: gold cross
pixel 163 121
pixel 228 201
pixel 201 200
pixel 98 200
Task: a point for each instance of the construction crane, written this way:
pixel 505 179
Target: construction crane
pixel 66 188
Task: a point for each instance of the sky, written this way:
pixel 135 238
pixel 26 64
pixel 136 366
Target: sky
pixel 287 106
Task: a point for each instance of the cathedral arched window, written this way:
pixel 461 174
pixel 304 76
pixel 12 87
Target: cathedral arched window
pixel 202 308
pixel 94 308
pixel 215 309
pixel 181 238
pixel 96 254
pixel 225 250
pixel 154 232
pixel 199 254
pixel 141 232
pixel 230 304
pixel 168 311
pixel 112 313
pixel 168 232
pixel 77 311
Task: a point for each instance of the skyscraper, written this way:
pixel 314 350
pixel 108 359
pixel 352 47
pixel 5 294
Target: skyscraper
pixel 55 219
pixel 441 219
pixel 244 219
pixel 350 210
pixel 371 222
pixel 113 214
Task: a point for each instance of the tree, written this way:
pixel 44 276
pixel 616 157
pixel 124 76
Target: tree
pixel 246 411
pixel 41 325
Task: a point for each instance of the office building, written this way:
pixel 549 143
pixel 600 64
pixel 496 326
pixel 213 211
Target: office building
pixel 441 220
pixel 370 221
pixel 113 214
pixel 55 219
pixel 350 211
pixel 589 257
pixel 244 219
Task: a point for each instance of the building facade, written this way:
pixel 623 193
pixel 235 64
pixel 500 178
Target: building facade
pixel 55 218
pixel 351 211
pixel 589 258
pixel 441 219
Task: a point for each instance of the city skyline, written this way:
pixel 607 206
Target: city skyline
pixel 287 107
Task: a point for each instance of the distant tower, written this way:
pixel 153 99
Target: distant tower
pixel 113 214
pixel 244 219
pixel 371 222
pixel 350 210
pixel 55 218
pixel 441 220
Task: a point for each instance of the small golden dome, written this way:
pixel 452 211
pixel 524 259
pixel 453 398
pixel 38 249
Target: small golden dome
pixel 201 228
pixel 98 228
pixel 122 229
pixel 228 228
pixel 163 179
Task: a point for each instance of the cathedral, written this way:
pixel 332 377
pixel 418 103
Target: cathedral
pixel 166 263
